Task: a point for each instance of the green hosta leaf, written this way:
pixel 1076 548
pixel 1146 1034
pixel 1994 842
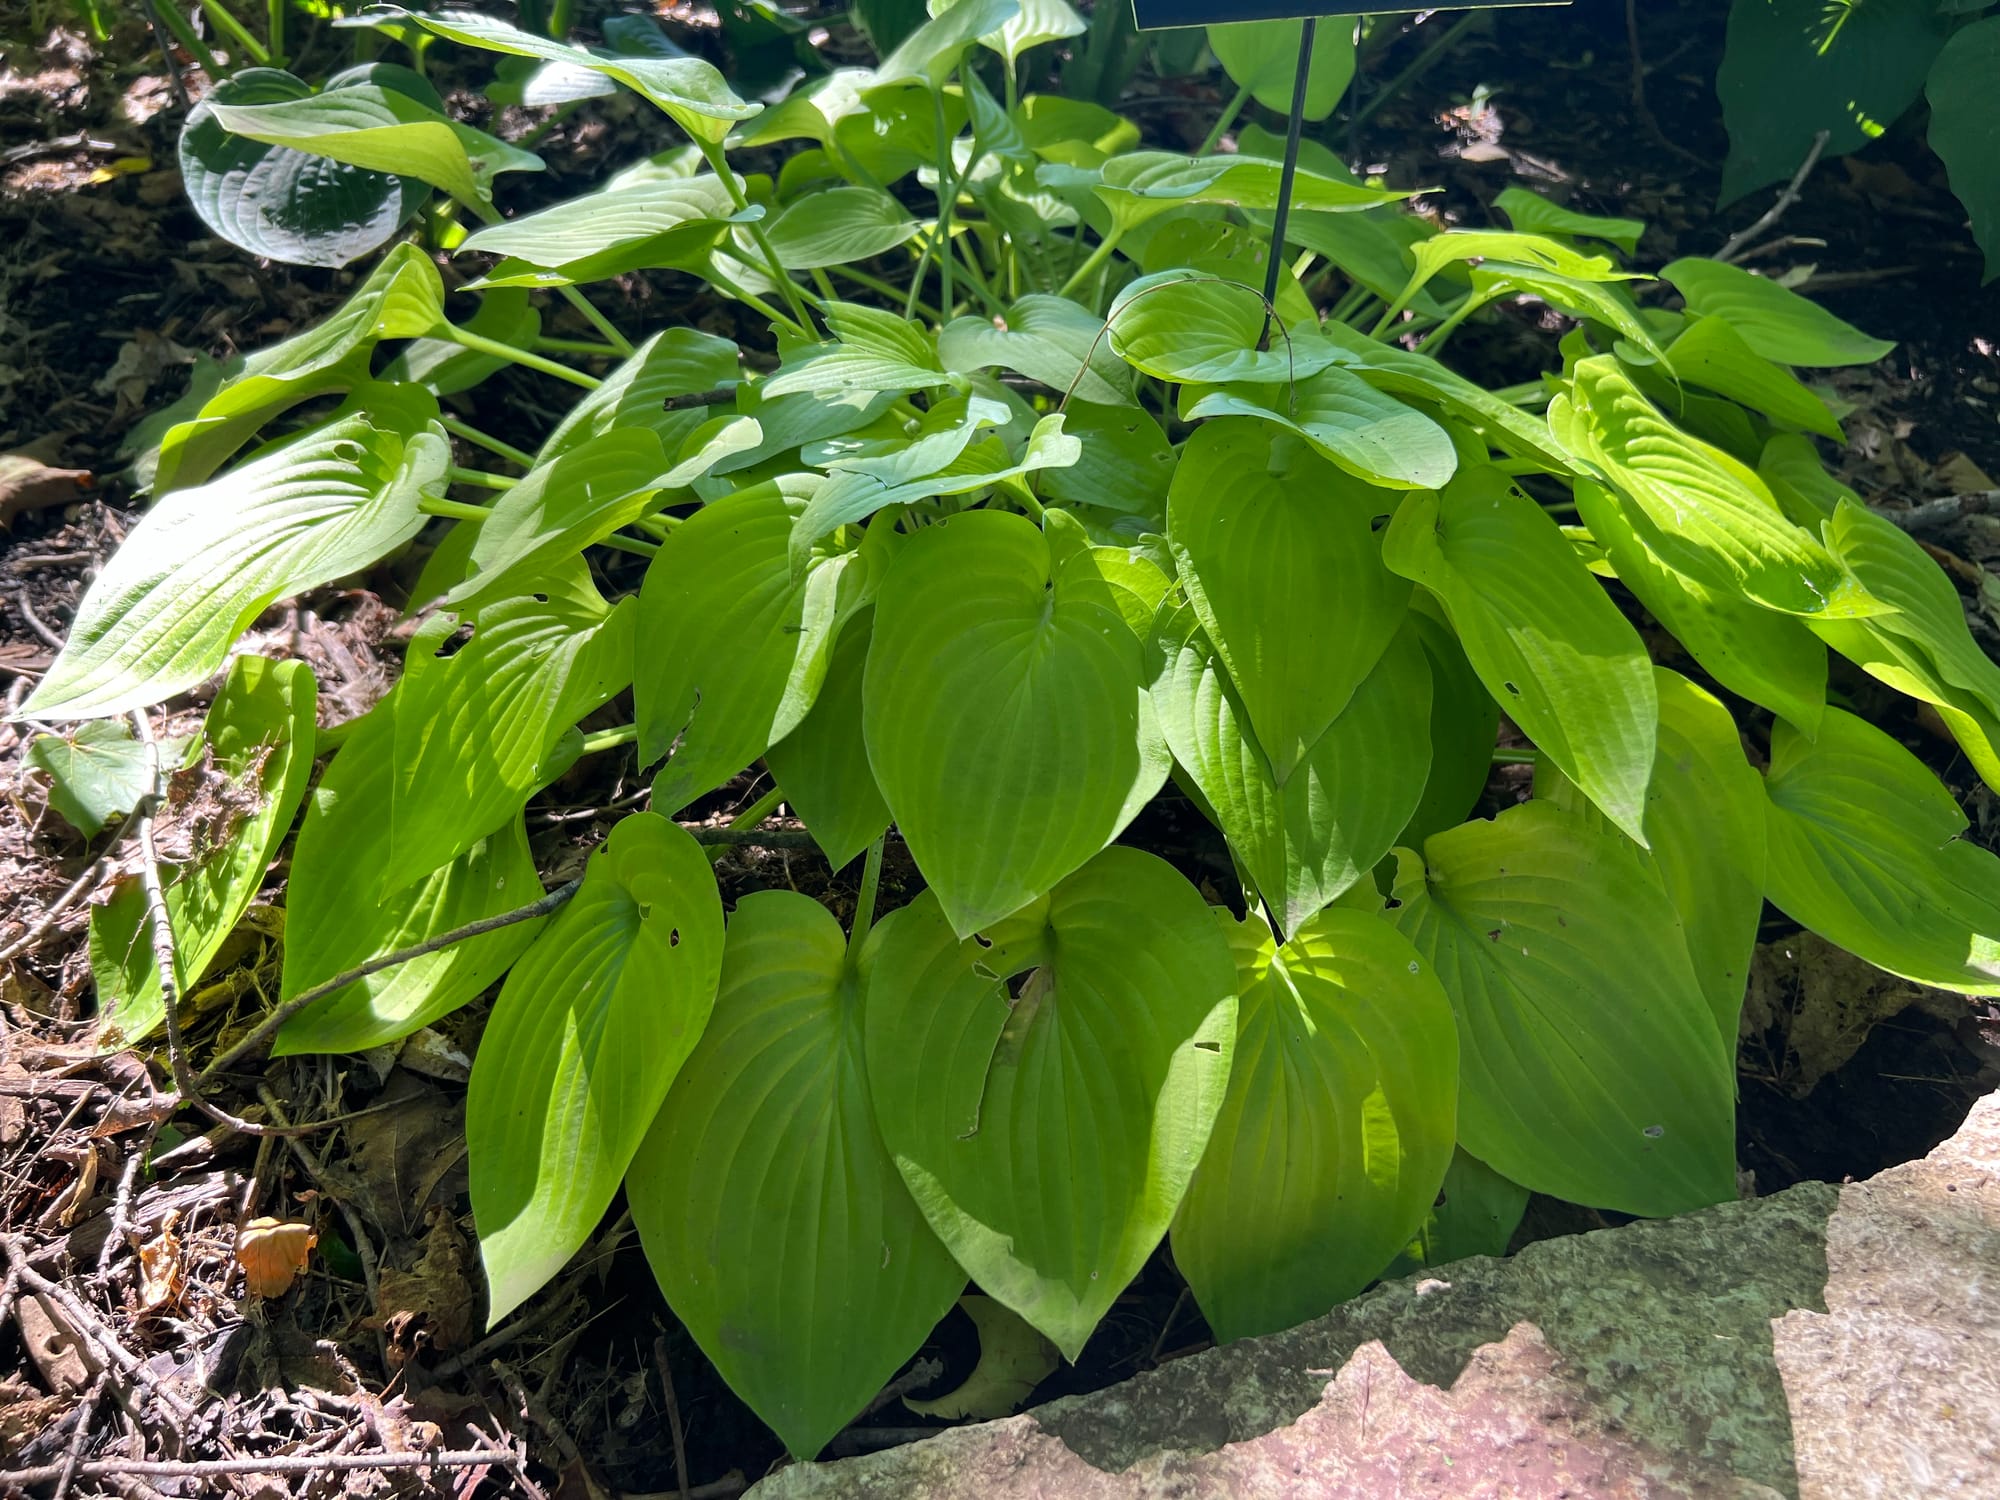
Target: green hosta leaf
pixel 1137 583
pixel 678 362
pixel 1126 463
pixel 1013 1360
pixel 205 562
pixel 1465 726
pixel 896 130
pixel 823 764
pixel 1531 213
pixel 1704 816
pixel 749 640
pixel 769 1209
pixel 873 350
pixel 445 367
pixel 1307 842
pixel 593 1024
pixel 1476 1213
pixel 1589 1065
pixel 1866 849
pixel 839 227
pixel 856 491
pixel 692 93
pixel 1278 553
pixel 477 731
pixel 382 130
pixel 1191 326
pixel 1217 247
pixel 335 921
pixel 1769 658
pixel 562 506
pixel 1700 511
pixel 1551 647
pixel 1584 298
pixel 810 111
pixel 1773 320
pixel 259 736
pixel 617 229
pixel 1336 1130
pixel 1263 57
pixel 286 205
pixel 1792 68
pixel 1372 436
pixel 1047 1089
pixel 1965 130
pixel 1371 247
pixel 95 773
pixel 931 51
pixel 1049 339
pixel 1003 710
pixel 1034 23
pixel 1530 253
pixel 403 298
pixel 1712 354
pixel 1145 184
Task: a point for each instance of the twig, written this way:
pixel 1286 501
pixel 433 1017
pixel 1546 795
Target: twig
pixel 1932 514
pixel 674 1429
pixel 303 1463
pixel 534 1411
pixel 1640 108
pixel 722 395
pixel 86 1411
pixel 121 1204
pixel 270 1025
pixel 364 1248
pixel 36 623
pixel 78 888
pixel 751 838
pixel 166 45
pixel 1735 244
pixel 922 1373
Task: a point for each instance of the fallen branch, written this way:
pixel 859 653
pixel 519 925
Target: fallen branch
pixel 1737 242
pixel 303 1463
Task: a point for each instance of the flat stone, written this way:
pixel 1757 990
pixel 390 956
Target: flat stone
pixel 1636 1361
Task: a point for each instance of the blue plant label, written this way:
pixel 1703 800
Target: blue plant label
pixel 1157 15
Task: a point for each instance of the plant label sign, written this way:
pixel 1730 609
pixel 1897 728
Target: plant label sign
pixel 1157 15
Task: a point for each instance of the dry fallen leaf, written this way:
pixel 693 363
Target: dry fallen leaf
pixel 27 484
pixel 272 1253
pixel 161 1266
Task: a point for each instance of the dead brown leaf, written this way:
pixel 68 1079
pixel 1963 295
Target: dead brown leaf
pixel 430 1307
pixel 162 1268
pixel 29 484
pixel 272 1253
pixel 404 1153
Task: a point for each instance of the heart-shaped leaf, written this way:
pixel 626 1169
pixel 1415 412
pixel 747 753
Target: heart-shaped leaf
pixel 1336 1130
pixel 1145 184
pixel 677 362
pixel 1126 464
pixel 1531 213
pixel 1589 1062
pixel 773 1216
pixel 1047 1087
pixel 823 764
pixel 1003 710
pixel 1047 339
pixel 839 227
pixel 1263 57
pixel 1196 327
pixel 586 1037
pixel 1370 435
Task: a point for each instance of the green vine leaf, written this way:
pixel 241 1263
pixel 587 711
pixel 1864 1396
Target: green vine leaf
pixel 1336 1130
pixel 1049 1134
pixel 586 1037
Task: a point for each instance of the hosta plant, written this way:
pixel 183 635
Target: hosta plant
pixel 1026 505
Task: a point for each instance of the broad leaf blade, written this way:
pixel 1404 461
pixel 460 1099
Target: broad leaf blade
pixel 1773 320
pixel 1372 436
pixel 1964 131
pixel 823 764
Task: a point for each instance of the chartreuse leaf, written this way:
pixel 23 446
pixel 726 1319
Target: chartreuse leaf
pixel 931 51
pixel 1542 258
pixel 1193 326
pixel 1336 1129
pixel 1925 648
pixel 1963 131
pixel 1049 339
pixel 1771 659
pixel 1476 1213
pixel 403 298
pixel 1710 353
pixel 286 205
pixel 1589 1064
pixel 823 764
pixel 1263 57
pixel 619 228
pixel 336 921
pixel 1143 185
pixel 769 1209
pixel 1700 511
pixel 259 736
pixel 1465 725
pixel 692 93
pixel 839 227
pixel 205 562
pixel 1126 464
pixel 1278 553
pixel 1309 840
pixel 477 730
pixel 1773 320
pixel 592 1026
pixel 445 367
pixel 563 505
pixel 1047 1088
pixel 1704 818
pixel 744 641
pixel 382 130
pixel 1531 213
pixel 1549 644
pixel 1033 23
pixel 95 773
pixel 677 362
pixel 872 350
pixel 1004 712
pixel 1370 435
pixel 1013 1360
pixel 1867 849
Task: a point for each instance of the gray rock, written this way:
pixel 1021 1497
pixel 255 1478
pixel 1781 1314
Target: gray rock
pixel 1636 1361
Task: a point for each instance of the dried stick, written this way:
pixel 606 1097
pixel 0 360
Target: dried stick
pixel 121 1204
pixel 78 888
pixel 86 1411
pixel 1739 241
pixel 661 1359
pixel 303 1463
pixel 364 1249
